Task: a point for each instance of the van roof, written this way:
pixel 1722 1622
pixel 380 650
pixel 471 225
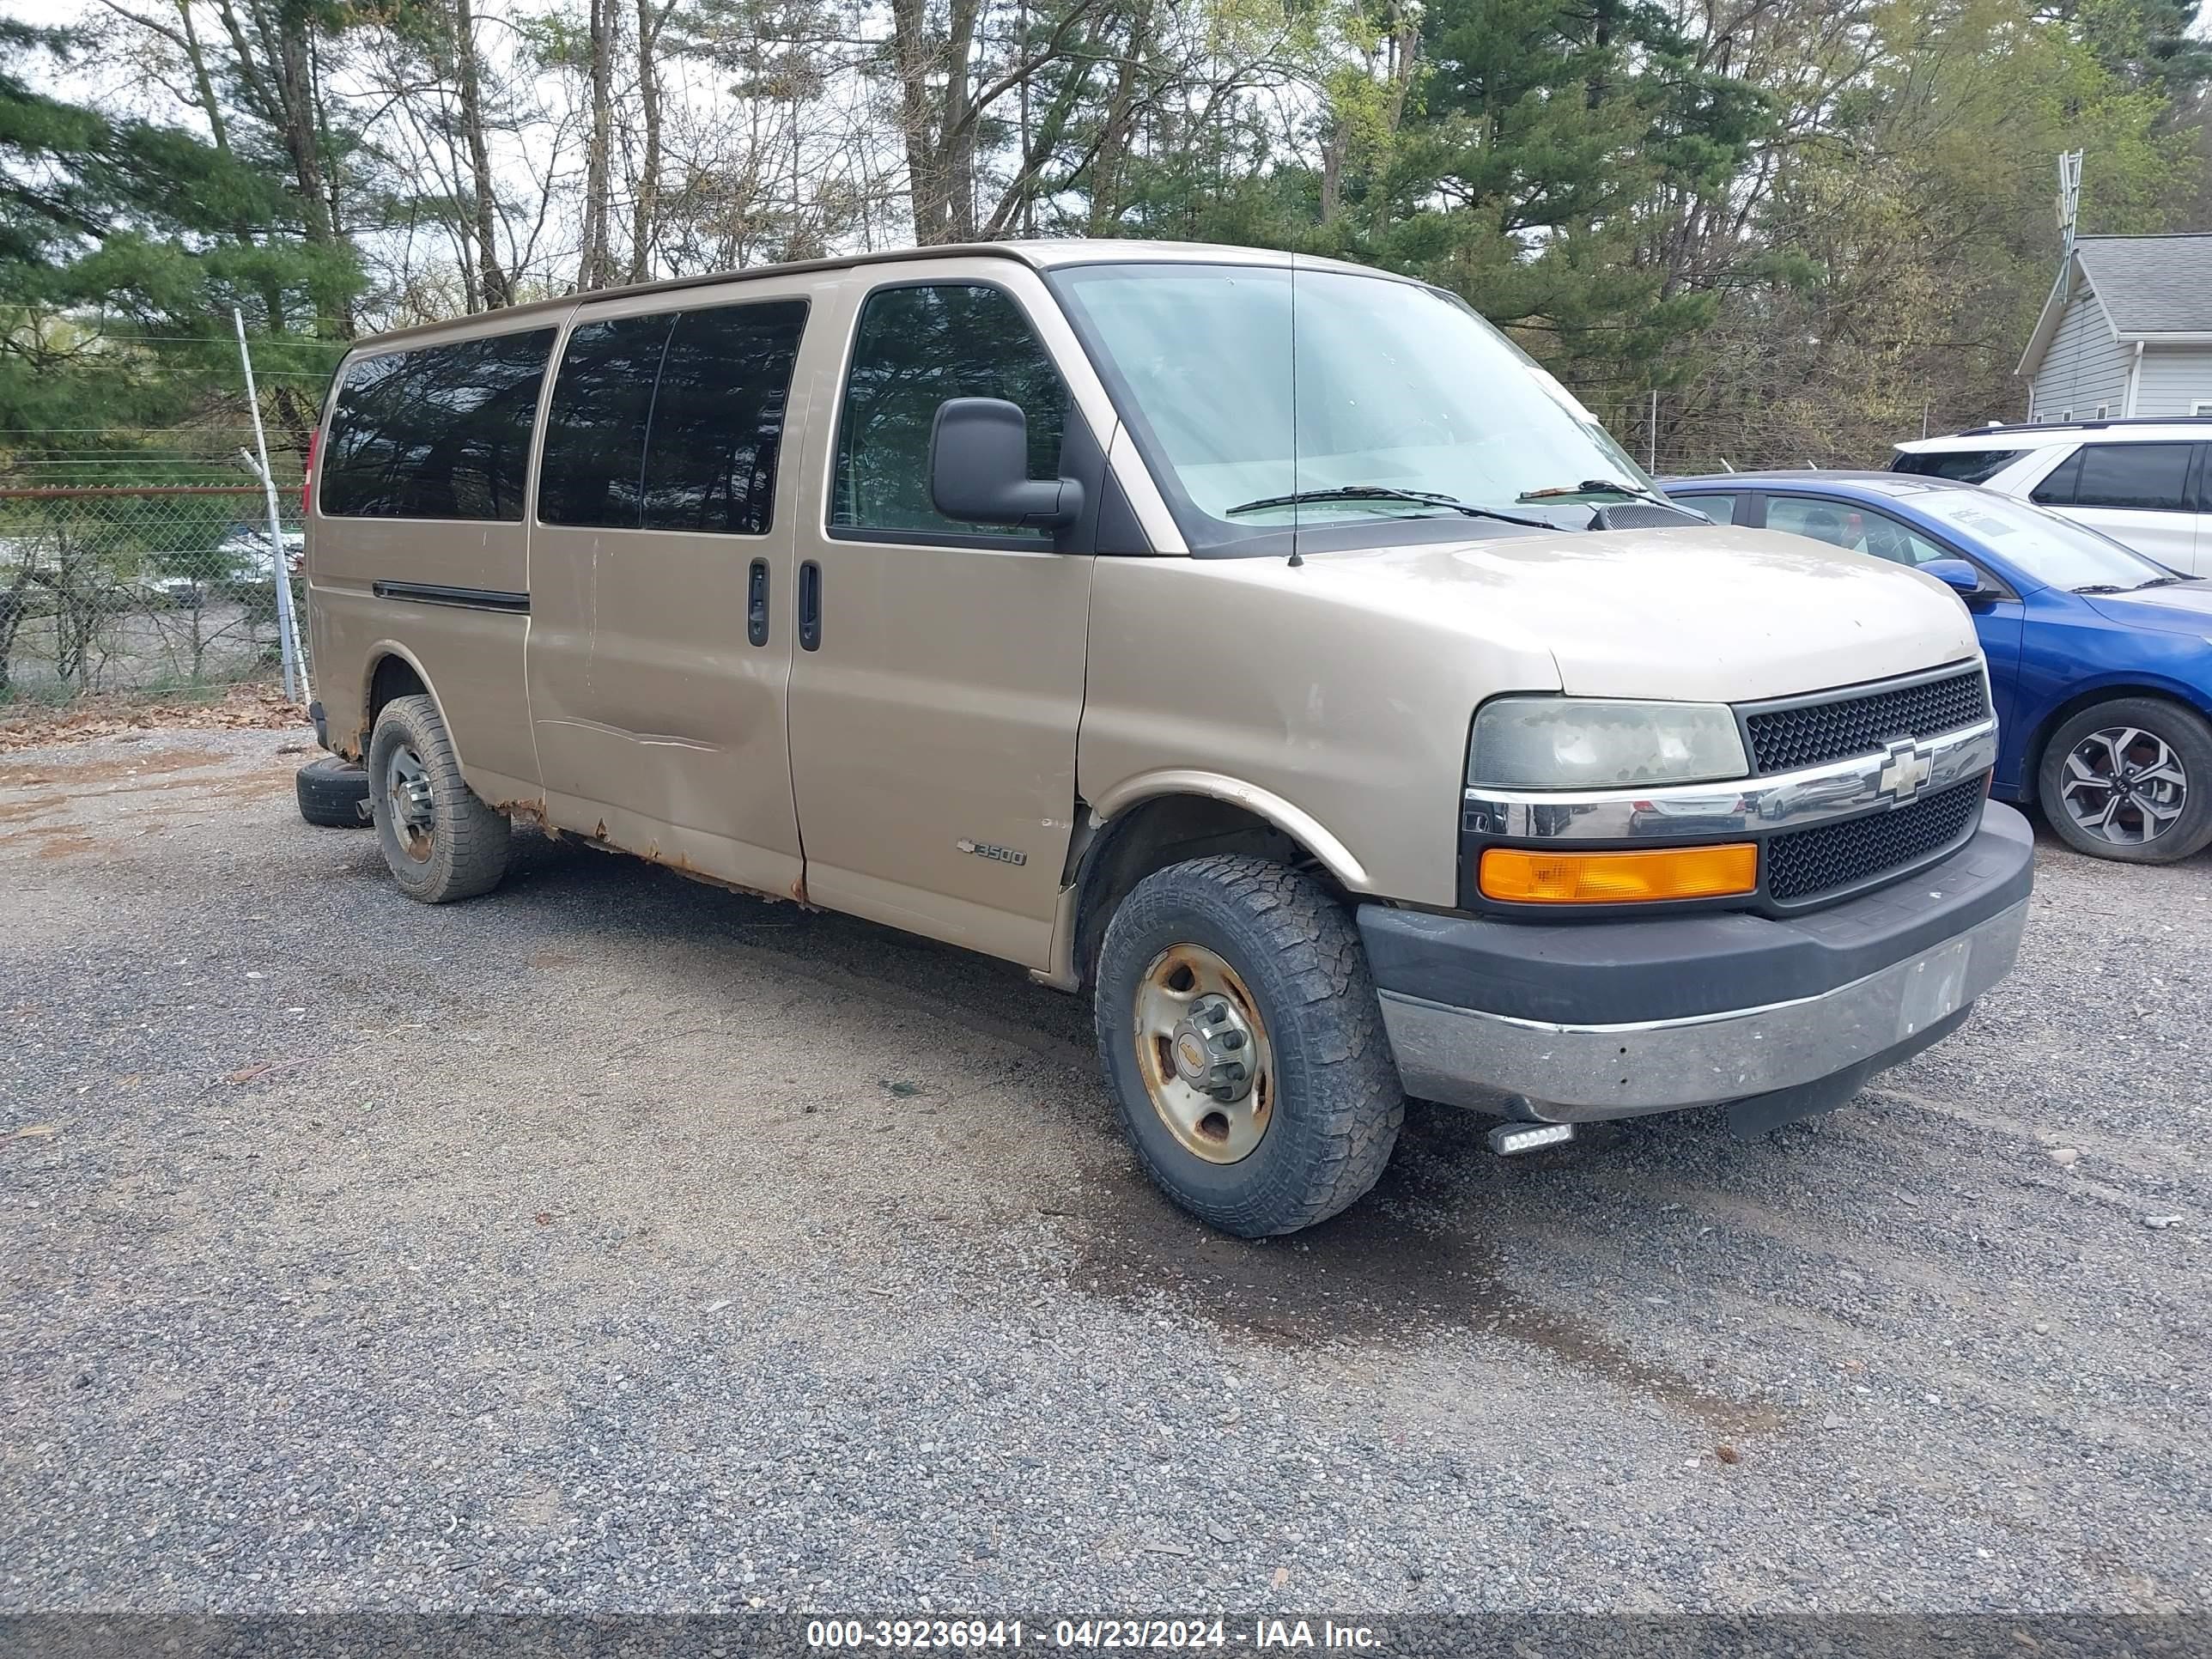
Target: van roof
pixel 1039 255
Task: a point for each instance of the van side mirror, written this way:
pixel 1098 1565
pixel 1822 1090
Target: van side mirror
pixel 979 468
pixel 1960 577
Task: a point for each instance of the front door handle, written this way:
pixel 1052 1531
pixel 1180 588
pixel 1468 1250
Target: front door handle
pixel 810 607
pixel 756 602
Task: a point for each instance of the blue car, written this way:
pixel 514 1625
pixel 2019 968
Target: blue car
pixel 2100 661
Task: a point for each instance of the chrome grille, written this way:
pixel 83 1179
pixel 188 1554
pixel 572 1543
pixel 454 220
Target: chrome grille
pixel 1802 864
pixel 1814 733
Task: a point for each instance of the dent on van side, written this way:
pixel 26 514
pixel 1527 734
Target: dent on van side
pixel 1265 648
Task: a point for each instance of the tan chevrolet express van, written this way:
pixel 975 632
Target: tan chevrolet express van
pixel 1267 647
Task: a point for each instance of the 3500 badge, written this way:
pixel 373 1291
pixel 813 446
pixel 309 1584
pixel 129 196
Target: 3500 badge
pixel 984 849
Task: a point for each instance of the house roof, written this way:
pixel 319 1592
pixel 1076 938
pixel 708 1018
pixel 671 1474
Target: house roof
pixel 2152 285
pixel 2146 288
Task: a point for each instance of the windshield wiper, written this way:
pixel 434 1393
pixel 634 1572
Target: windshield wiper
pixel 1385 493
pixel 2157 581
pixel 2100 588
pixel 1602 487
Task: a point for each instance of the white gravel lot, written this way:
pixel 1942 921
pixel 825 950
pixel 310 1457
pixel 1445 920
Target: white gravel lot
pixel 617 1242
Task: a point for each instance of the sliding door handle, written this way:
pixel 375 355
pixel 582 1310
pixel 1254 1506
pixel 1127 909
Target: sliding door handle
pixel 756 602
pixel 810 607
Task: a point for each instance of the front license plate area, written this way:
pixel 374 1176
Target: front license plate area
pixel 1935 986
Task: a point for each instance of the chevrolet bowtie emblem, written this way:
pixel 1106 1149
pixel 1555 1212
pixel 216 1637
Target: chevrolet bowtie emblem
pixel 1904 769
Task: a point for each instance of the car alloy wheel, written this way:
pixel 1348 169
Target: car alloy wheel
pixel 2124 785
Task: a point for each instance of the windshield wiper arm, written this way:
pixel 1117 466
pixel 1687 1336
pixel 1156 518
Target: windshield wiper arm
pixel 2157 581
pixel 1602 487
pixel 2099 588
pixel 1385 493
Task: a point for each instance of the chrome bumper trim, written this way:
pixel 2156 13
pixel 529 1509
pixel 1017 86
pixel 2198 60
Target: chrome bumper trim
pixel 1580 1074
pixel 1702 812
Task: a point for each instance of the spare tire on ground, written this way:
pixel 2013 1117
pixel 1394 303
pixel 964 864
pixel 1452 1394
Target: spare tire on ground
pixel 333 793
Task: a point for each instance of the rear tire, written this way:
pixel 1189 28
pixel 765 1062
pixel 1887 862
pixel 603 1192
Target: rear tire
pixel 2129 780
pixel 1251 958
pixel 333 793
pixel 441 842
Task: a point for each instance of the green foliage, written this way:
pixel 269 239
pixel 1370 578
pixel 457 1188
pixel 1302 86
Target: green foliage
pixel 1815 222
pixel 1817 233
pixel 1904 253
pixel 157 234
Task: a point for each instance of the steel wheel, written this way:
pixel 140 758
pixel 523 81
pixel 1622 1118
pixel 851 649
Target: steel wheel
pixel 2123 785
pixel 1202 1051
pixel 407 785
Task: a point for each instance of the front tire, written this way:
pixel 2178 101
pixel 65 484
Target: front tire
pixel 1244 1046
pixel 441 842
pixel 2129 780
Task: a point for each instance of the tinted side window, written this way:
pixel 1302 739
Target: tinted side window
pixel 915 348
pixel 2058 488
pixel 1967 466
pixel 718 417
pixel 2153 477
pixel 440 432
pixel 595 425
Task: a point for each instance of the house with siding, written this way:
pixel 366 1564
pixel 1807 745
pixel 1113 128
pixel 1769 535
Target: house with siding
pixel 2127 331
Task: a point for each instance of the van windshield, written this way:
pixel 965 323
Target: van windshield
pixel 1388 400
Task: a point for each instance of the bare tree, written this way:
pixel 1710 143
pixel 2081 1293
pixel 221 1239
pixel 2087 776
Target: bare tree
pixel 595 268
pixel 497 288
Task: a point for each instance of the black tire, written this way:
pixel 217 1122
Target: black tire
pixel 333 793
pixel 1335 1104
pixel 453 847
pixel 2187 745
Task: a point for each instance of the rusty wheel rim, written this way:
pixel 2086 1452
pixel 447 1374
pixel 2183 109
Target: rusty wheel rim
pixel 407 787
pixel 1203 1052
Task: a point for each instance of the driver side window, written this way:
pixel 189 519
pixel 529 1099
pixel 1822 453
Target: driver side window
pixel 918 344
pixel 1844 524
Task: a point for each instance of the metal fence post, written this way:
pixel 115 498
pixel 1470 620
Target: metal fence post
pixel 280 570
pixel 1651 448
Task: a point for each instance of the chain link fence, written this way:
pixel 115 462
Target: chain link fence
pixel 1690 429
pixel 153 587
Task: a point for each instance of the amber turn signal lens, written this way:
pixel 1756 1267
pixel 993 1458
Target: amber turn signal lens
pixel 1683 873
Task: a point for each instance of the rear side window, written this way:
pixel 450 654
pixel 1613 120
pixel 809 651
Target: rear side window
pixel 1823 522
pixel 1965 465
pixel 672 421
pixel 916 347
pixel 718 419
pixel 594 456
pixel 2057 488
pixel 2143 478
pixel 440 432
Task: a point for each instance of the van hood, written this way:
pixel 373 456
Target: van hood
pixel 1703 613
pixel 2184 608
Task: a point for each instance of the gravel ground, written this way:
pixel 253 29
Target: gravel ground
pixel 617 1243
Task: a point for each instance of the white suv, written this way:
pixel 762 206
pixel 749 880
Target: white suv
pixel 2146 483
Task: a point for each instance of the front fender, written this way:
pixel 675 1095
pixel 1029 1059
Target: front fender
pixel 1295 822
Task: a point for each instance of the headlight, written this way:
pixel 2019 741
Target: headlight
pixel 1583 742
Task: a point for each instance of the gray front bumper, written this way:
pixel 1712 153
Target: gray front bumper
pixel 1579 1073
pixel 1577 1021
